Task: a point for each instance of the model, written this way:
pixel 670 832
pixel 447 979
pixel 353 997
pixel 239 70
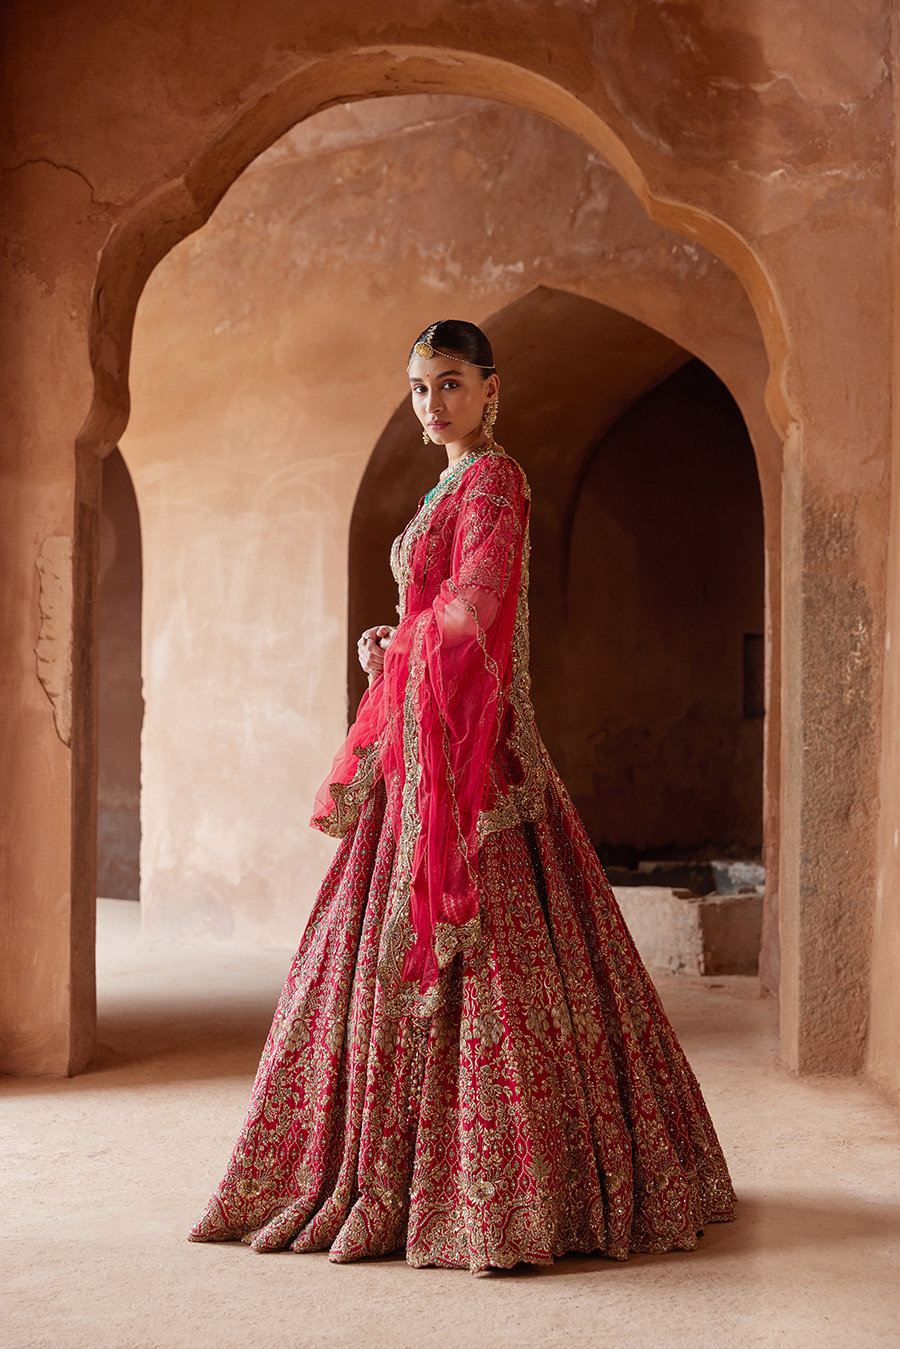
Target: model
pixel 468 1061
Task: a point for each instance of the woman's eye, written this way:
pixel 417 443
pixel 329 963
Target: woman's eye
pixel 450 384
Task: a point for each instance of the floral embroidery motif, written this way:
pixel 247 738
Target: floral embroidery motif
pixel 348 799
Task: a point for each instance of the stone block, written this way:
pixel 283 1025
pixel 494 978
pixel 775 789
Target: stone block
pixel 718 934
pixel 731 878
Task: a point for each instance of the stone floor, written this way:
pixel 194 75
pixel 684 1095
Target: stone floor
pixel 103 1175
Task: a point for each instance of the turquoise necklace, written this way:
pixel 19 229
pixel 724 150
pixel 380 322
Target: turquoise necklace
pixel 451 473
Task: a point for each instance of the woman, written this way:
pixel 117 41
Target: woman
pixel 468 1060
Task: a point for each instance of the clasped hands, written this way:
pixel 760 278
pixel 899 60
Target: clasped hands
pixel 371 648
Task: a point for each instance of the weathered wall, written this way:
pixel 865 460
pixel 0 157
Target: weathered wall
pixel 763 133
pixel 268 349
pixel 121 703
pixel 48 533
pixel 883 1048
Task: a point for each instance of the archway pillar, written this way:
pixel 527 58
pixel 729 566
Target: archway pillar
pixel 835 524
pixel 829 784
pixel 48 536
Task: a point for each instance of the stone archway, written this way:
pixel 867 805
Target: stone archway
pixel 154 224
pixel 251 416
pixel 769 142
pixel 646 572
pixel 159 220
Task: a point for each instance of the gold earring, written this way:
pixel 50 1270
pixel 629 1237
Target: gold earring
pixel 426 438
pixel 490 416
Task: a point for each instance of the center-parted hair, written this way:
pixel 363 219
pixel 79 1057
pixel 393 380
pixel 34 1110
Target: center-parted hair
pixel 462 338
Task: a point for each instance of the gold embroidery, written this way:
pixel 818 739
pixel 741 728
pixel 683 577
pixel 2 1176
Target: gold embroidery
pixel 451 938
pixel 404 545
pixel 542 1106
pixel 349 797
pixel 402 997
pixel 523 801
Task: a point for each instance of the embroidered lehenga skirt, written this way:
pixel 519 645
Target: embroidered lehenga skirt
pixel 536 1102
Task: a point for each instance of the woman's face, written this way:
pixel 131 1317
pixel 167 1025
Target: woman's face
pixel 448 397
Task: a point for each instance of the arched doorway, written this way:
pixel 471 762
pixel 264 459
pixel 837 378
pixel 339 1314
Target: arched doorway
pixel 659 708
pixel 647 573
pixel 258 385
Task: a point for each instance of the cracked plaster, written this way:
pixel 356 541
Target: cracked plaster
pixel 53 652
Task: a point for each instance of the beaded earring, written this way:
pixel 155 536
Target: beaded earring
pixel 490 416
pixel 426 438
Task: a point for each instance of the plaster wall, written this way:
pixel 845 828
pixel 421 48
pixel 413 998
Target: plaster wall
pixel 883 1050
pixel 269 349
pixel 48 542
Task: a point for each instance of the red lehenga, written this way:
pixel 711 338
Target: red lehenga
pixel 468 1060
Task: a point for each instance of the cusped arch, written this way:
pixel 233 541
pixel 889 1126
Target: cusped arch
pixel 163 217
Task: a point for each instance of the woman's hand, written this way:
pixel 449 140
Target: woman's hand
pixel 371 648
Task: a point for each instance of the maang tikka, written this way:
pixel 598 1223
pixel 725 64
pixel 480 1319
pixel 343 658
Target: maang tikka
pixel 425 351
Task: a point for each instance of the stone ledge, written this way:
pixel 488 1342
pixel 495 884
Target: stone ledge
pixel 719 934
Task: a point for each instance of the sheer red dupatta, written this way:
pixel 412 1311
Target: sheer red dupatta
pixel 356 767
pixel 437 709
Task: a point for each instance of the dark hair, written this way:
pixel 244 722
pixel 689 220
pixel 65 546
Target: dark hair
pixel 461 338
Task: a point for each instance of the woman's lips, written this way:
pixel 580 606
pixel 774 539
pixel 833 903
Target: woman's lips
pixel 437 426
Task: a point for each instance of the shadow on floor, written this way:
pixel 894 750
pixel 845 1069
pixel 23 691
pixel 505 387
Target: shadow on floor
pixel 182 1044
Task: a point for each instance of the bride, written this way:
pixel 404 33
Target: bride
pixel 468 1061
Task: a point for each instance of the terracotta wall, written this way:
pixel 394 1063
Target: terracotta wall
pixel 883 1048
pixel 269 349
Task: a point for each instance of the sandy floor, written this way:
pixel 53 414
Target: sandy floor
pixel 104 1174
